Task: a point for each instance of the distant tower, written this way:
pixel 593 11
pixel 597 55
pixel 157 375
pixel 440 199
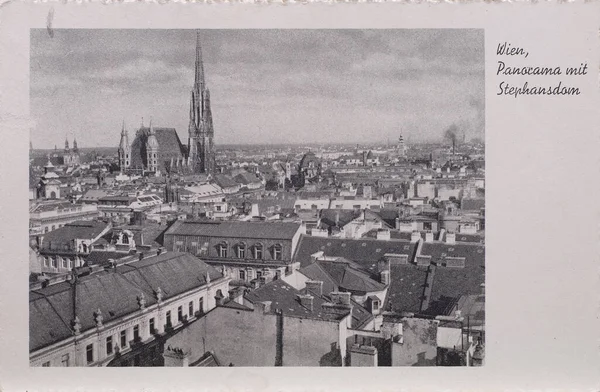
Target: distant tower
pixel 201 155
pixel 124 149
pixel 75 149
pixel 401 146
pixel 66 145
pixel 152 150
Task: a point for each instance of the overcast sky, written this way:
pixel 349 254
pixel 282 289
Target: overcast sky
pixel 298 86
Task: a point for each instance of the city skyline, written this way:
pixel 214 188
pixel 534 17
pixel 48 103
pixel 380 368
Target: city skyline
pixel 281 89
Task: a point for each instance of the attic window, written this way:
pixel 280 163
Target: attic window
pixel 450 249
pixel 479 250
pixel 364 244
pixel 406 247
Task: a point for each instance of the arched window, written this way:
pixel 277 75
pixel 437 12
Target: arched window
pixel 125 239
pixel 258 251
pixel 222 248
pixel 53 195
pixel 241 250
pixel 277 252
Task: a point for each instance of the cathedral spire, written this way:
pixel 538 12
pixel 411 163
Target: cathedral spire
pixel 66 142
pixel 199 79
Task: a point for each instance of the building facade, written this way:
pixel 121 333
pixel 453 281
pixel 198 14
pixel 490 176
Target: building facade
pixel 76 323
pixel 244 251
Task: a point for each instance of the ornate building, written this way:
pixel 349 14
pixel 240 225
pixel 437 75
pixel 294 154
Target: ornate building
pixel 201 154
pixel 159 150
pixel 71 156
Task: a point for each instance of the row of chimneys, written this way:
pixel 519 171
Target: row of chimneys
pixel 338 299
pixel 415 236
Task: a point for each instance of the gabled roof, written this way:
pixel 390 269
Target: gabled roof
pixel 235 230
pixel 246 178
pixel 341 274
pixel 114 292
pixel 225 181
pixel 169 146
pixel 74 230
pixel 284 298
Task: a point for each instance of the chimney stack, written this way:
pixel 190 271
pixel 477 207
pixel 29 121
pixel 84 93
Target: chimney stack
pixel 306 300
pixel 315 286
pixel 450 238
pixel 384 235
pixel 429 236
pixel 415 236
pixel 340 299
pixel 384 277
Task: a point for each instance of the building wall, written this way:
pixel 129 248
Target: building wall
pixel 250 338
pixel 193 244
pixel 419 344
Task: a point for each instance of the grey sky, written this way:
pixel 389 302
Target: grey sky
pixel 266 85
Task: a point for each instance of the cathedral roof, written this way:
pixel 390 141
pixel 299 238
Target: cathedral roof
pixel 307 158
pixel 169 146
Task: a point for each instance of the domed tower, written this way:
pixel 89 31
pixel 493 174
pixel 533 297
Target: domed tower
pixel 152 150
pixel 124 149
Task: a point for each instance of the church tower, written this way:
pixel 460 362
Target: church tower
pixel 201 155
pixel 152 150
pixel 124 149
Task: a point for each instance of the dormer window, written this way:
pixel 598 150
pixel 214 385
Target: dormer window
pixel 241 250
pixel 258 251
pixel 223 249
pixel 277 252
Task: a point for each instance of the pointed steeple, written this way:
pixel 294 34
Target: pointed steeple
pixel 199 79
pixel 74 144
pixel 66 143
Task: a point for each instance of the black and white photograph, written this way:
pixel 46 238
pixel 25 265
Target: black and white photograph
pixel 202 198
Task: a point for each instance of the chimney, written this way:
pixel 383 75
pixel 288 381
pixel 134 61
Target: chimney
pixel 450 238
pixel 306 300
pixel 383 235
pixel 265 306
pixel 429 236
pixel 415 236
pixel 254 210
pixel 315 286
pixel 384 277
pixel 176 357
pixel 337 219
pixel 316 256
pixel 341 299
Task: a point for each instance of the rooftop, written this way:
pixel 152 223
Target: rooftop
pixel 237 229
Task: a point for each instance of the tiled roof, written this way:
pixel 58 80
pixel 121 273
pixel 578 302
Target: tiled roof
pixel 225 181
pixel 349 278
pixel 343 217
pixel 228 229
pixel 472 204
pixel 246 178
pixel 284 297
pixel 74 230
pixel 406 288
pixel 114 292
pixel 169 146
pixel 365 251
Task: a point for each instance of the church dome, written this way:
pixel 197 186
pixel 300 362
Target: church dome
pixel 307 159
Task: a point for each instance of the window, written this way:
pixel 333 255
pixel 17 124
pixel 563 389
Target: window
pixel 64 263
pixel 70 264
pixel 223 249
pixel 191 308
pixel 109 345
pixel 241 250
pixel 242 275
pixel 259 274
pixel 136 332
pixel 277 275
pixel 168 318
pixel 45 262
pixel 152 325
pixel 180 313
pixel 375 305
pixel 54 263
pixel 64 361
pixel 89 353
pixel 201 305
pixel 124 339
pixel 277 252
pixel 46 364
pixel 258 251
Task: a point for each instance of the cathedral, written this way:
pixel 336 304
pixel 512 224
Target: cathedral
pixel 71 156
pixel 159 150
